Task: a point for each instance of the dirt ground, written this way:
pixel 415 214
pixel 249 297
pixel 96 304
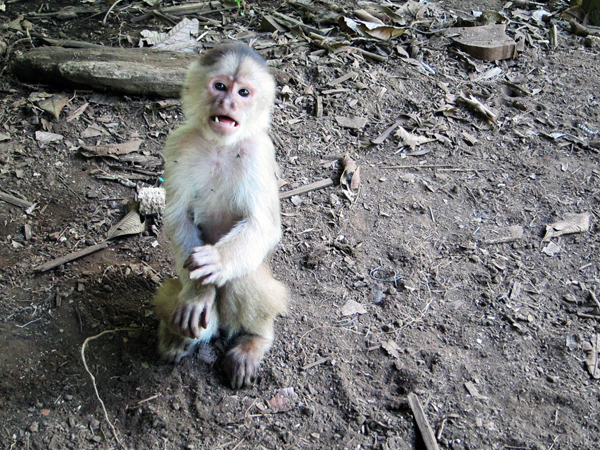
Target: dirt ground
pixel 431 278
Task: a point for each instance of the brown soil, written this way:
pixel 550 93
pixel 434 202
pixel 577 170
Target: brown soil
pixel 490 336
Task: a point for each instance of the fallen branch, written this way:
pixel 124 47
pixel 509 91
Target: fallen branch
pixel 15 201
pixel 71 257
pixel 422 422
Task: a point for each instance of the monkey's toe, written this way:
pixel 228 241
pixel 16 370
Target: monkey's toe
pixel 240 368
pixel 173 347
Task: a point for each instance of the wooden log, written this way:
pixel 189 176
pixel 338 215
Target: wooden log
pixel 124 71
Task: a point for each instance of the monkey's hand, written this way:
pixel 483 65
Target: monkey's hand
pixel 192 315
pixel 205 262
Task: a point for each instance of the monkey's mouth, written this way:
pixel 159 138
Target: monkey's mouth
pixel 225 120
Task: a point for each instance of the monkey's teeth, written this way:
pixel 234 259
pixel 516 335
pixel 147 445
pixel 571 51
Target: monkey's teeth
pixel 217 119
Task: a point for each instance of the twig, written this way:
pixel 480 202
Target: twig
pixel 594 299
pixel 308 188
pixel 71 257
pixel 14 200
pixel 316 363
pixel 109 10
pixel 148 399
pixel 422 422
pixel 112 427
pixel 588 316
pixel 28 323
pixel 419 166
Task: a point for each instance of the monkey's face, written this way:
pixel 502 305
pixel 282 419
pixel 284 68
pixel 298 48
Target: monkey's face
pixel 231 100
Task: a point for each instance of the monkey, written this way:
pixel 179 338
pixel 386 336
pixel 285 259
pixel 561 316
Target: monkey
pixel 222 214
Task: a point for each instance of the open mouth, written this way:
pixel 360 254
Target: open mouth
pixel 225 120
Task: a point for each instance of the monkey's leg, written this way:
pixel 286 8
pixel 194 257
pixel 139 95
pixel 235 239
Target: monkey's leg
pixel 172 343
pixel 247 309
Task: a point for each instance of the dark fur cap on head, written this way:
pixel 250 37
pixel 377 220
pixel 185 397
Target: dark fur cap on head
pixel 214 55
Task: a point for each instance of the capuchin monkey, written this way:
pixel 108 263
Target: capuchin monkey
pixel 222 214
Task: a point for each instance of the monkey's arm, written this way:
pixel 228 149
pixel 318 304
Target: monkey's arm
pixel 242 250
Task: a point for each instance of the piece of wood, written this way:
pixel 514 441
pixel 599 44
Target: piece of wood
pixel 15 200
pixel 422 422
pixel 308 188
pixel 71 257
pixel 124 71
pixel 487 42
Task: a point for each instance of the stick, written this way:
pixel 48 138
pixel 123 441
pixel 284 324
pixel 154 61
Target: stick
pixel 14 200
pixel 316 363
pixel 594 299
pixel 308 188
pixel 419 166
pixel 422 422
pixel 71 257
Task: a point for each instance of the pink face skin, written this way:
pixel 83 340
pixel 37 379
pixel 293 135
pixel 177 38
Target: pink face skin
pixel 231 99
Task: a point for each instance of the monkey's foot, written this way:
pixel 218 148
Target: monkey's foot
pixel 172 346
pixel 241 363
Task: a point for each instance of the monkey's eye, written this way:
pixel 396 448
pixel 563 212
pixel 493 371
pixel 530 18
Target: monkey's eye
pixel 244 92
pixel 220 86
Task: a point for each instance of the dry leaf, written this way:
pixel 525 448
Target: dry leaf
pixel 572 223
pixel 352 307
pixel 284 400
pixel 130 224
pixel 350 178
pixel 351 122
pixel 79 111
pixel 115 149
pixel 478 106
pixel 54 105
pixel 504 235
pixel 179 38
pixel 93 131
pixel 411 140
pixel 46 137
pixel 392 348
pixel 591 350
pixel 551 249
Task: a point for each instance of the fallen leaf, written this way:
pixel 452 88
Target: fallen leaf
pixel 54 105
pixel 350 178
pixel 551 249
pixel 351 122
pixel 130 224
pixel 392 348
pixel 181 36
pixel 411 140
pixel 284 400
pixel 45 137
pixel 93 131
pixel 504 235
pixel 114 149
pixel 572 223
pixel 591 350
pixel 352 307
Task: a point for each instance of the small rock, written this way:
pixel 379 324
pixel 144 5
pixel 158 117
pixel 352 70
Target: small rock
pixel 34 427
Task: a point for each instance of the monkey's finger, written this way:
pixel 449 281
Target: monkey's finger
pixel 202 272
pixel 184 320
pixel 194 321
pixel 211 279
pixel 204 317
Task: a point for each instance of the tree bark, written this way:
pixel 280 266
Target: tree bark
pixel 124 71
